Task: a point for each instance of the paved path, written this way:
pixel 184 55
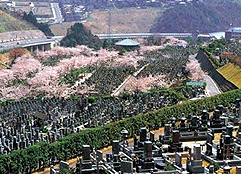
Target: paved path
pixel 122 86
pixel 212 88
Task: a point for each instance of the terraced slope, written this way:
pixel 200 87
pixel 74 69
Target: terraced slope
pixel 11 23
pixel 232 73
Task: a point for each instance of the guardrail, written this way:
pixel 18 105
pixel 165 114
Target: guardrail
pixel 142 35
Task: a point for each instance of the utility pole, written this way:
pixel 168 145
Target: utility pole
pixel 109 23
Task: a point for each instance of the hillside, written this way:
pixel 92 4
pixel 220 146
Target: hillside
pixel 122 21
pixel 210 17
pixel 9 22
pixel 232 73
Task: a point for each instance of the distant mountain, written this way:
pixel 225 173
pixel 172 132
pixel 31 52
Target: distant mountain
pixel 12 22
pixel 204 17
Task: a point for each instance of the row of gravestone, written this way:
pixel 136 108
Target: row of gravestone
pixel 28 122
pixel 106 79
pixel 219 118
pixel 171 67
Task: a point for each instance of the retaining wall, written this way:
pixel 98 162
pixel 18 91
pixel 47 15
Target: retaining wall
pixel 208 67
pixel 21 35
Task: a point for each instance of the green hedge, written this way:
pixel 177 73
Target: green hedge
pixel 22 161
pixel 211 57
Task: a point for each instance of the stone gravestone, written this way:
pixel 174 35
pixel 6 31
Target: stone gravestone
pixel 63 165
pixel 115 147
pixel 126 167
pixel 197 153
pixel 178 159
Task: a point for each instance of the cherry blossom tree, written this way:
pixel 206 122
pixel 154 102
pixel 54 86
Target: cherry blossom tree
pixel 6 75
pixel 145 83
pixel 195 70
pixel 29 75
pixel 25 65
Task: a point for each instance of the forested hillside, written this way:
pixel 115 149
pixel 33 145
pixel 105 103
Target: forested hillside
pixel 204 17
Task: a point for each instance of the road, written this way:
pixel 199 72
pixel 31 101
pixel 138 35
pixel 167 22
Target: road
pixel 58 18
pixel 142 35
pixel 212 88
pixel 28 42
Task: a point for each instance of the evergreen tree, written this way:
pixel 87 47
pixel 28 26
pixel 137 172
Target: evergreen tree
pixel 41 26
pixel 79 35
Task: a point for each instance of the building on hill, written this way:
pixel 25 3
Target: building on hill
pixel 127 44
pixel 233 33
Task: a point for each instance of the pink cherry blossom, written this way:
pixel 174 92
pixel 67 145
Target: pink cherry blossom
pixel 145 83
pixel 6 75
pixel 25 65
pixel 195 70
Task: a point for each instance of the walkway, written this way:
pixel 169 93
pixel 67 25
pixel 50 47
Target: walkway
pixel 122 86
pixel 212 88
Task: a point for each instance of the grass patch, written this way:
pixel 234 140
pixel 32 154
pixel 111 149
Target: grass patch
pixel 73 76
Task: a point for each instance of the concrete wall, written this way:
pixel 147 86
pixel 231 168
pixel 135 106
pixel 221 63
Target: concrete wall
pixel 207 66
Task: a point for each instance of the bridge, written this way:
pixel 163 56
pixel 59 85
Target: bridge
pixel 143 35
pixel 32 45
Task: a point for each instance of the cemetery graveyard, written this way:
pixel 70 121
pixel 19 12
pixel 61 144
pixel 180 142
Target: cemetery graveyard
pixel 68 90
pixel 188 144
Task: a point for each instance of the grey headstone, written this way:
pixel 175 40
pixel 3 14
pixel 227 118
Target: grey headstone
pixel 178 159
pixel 197 153
pixel 148 149
pixel 143 133
pixel 86 152
pixel 126 166
pixel 115 147
pixel 63 165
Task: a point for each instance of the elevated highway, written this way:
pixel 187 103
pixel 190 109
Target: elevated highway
pixel 32 44
pixel 48 43
pixel 142 35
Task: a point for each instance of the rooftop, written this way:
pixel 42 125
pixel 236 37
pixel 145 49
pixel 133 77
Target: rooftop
pixel 127 42
pixel 235 29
